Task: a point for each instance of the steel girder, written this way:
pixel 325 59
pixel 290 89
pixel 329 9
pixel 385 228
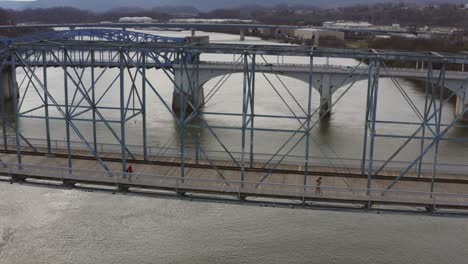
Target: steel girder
pixel 93 35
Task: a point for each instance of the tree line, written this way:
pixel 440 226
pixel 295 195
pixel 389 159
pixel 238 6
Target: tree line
pixel 448 15
pixel 69 15
pixel 380 14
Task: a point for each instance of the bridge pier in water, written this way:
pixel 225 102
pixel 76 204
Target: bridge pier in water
pixel 242 35
pixel 460 105
pixel 181 102
pixel 462 98
pixel 326 96
pixel 187 93
pixel 6 83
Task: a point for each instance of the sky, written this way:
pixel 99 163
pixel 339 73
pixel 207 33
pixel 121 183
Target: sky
pixel 100 5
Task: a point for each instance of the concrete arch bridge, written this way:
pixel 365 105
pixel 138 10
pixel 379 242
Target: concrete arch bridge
pixel 326 79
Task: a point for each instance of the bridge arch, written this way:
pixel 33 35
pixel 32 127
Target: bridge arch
pixel 322 83
pixel 208 75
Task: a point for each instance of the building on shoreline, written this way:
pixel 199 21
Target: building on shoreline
pixel 315 34
pixel 137 20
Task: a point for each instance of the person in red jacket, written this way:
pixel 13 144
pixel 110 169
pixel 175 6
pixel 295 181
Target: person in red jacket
pixel 130 169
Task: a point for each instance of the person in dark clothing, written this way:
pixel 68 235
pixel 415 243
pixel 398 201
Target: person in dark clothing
pixel 318 183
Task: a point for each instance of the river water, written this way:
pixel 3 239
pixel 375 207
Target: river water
pixel 43 225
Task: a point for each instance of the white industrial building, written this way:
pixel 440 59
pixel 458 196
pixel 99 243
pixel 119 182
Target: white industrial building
pixel 315 34
pixel 344 24
pixel 136 20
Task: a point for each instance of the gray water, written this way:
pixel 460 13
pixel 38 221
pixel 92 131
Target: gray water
pixel 42 225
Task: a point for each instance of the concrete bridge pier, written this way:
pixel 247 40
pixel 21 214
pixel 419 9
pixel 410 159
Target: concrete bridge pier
pixel 462 102
pixel 178 100
pixel 187 92
pixel 242 35
pixel 276 33
pixel 326 96
pixel 6 84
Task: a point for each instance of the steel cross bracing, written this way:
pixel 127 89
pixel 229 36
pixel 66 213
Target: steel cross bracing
pixel 92 35
pixel 84 92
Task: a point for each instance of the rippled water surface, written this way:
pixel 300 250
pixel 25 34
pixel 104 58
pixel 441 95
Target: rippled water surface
pixel 41 225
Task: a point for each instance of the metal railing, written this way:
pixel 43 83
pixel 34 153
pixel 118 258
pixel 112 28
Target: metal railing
pixel 190 152
pixel 233 187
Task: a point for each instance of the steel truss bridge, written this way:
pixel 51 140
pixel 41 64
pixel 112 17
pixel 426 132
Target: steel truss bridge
pixel 363 179
pixel 92 34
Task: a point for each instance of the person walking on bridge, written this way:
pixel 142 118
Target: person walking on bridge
pixel 318 183
pixel 129 171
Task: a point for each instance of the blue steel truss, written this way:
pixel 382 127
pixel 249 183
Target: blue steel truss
pixel 164 59
pixel 93 35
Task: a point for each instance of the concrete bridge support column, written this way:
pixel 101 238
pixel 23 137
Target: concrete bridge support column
pixel 242 35
pixel 6 83
pixel 462 103
pixel 316 40
pixel 276 33
pixel 326 96
pixel 187 92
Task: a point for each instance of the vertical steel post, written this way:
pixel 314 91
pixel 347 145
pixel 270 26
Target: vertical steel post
pixel 252 111
pixel 67 108
pixel 366 121
pixel 183 104
pixel 93 99
pixel 16 110
pixel 309 118
pixel 46 100
pixel 3 110
pixel 143 106
pixel 244 113
pixel 438 125
pixel 375 88
pixel 198 89
pixel 426 113
pixel 122 110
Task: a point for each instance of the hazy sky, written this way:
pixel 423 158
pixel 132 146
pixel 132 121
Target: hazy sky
pixel 100 5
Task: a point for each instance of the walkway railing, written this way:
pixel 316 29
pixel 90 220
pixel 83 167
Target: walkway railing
pixel 338 163
pixel 234 187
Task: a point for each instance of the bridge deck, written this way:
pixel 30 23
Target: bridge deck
pixel 335 187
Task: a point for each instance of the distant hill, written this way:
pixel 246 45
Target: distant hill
pixel 204 5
